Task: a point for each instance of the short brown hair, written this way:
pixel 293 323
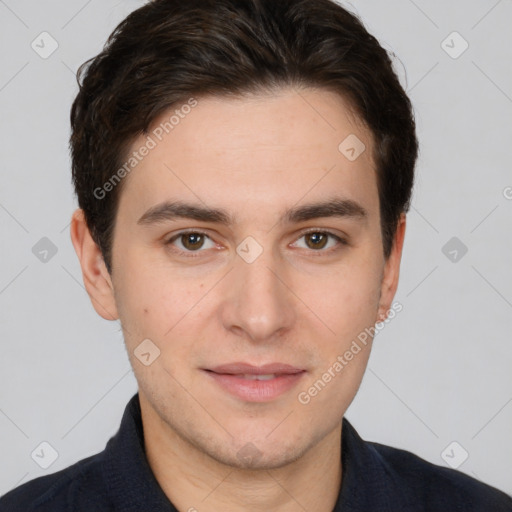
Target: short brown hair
pixel 169 50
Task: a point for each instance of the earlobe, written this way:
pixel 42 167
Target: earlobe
pixel 96 278
pixel 391 271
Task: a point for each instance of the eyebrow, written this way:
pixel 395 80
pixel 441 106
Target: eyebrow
pixel 171 210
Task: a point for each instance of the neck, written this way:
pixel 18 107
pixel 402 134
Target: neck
pixel 195 482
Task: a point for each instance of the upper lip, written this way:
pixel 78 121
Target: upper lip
pixel 240 368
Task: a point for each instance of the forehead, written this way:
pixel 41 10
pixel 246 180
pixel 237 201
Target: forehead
pixel 260 150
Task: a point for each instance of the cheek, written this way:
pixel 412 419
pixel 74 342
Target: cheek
pixel 345 300
pixel 349 309
pixel 147 302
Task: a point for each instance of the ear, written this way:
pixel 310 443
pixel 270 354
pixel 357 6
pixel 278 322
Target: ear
pixel 95 275
pixel 391 271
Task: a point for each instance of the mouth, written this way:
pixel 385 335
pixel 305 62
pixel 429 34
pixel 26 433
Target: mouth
pixel 255 383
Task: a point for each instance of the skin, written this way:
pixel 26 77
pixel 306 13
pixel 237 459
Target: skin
pixel 254 156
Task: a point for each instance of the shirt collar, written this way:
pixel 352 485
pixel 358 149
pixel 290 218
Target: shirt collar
pixel 131 483
pixel 367 481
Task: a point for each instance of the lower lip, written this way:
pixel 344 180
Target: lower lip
pixel 256 390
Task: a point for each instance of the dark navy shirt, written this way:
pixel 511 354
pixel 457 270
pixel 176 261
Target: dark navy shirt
pixel 375 478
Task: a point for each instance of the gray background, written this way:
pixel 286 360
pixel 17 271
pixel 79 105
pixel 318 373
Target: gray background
pixel 440 371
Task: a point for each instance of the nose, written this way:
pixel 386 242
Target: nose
pixel 258 302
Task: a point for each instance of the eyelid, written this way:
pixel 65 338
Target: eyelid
pixel 326 231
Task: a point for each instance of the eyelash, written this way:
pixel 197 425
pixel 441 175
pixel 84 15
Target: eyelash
pixel 194 254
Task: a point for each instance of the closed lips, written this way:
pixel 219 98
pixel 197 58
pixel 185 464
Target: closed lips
pixel 249 371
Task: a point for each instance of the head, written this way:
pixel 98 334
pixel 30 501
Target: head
pixel 243 170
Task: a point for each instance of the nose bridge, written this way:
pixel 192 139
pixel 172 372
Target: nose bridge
pixel 258 301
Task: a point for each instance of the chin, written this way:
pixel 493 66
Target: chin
pixel 259 453
pixel 250 458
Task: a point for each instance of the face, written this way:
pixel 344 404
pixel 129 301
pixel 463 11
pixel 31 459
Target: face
pixel 255 289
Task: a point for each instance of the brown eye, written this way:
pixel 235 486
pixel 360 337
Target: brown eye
pixel 317 240
pixel 190 242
